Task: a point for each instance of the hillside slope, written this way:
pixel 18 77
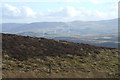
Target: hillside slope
pixel 40 57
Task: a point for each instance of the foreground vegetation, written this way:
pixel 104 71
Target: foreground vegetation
pixel 46 58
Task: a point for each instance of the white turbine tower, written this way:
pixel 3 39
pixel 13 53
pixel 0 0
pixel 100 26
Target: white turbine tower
pixel 55 31
pixel 69 31
pixel 43 33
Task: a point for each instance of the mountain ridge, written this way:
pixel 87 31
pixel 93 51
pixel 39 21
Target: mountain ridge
pixel 79 27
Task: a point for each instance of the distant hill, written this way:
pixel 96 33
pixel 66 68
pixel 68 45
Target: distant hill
pixel 96 42
pixel 103 40
pixel 40 57
pixel 74 27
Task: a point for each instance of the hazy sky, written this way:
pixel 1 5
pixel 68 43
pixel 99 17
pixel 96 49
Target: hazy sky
pixel 58 10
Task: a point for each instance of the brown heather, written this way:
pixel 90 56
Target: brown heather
pixel 30 57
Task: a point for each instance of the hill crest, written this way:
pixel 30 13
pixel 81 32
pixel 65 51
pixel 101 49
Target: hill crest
pixel 25 46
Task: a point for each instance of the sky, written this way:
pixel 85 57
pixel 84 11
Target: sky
pixel 19 11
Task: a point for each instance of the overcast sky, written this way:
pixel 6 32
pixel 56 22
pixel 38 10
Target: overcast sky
pixel 57 10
